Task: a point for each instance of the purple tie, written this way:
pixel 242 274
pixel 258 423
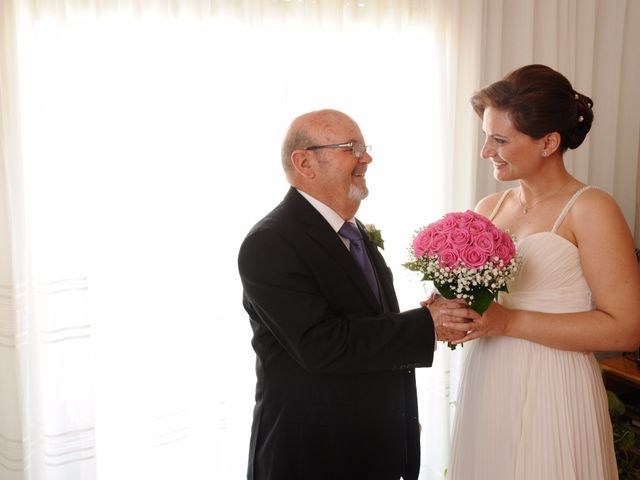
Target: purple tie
pixel 358 252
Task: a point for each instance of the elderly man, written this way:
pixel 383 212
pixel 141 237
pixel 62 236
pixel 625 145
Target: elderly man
pixel 336 392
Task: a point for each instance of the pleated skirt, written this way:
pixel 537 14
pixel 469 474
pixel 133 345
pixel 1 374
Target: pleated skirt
pixel 530 412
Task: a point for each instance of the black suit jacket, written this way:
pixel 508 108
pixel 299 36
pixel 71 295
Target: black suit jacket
pixel 335 393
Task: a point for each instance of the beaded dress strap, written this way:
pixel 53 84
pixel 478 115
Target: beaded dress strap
pixel 568 206
pixel 499 204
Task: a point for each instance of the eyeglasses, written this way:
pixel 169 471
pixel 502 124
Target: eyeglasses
pixel 358 149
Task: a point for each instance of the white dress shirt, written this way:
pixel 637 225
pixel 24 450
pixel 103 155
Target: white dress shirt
pixel 335 220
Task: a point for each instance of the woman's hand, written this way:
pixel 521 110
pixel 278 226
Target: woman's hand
pixel 491 324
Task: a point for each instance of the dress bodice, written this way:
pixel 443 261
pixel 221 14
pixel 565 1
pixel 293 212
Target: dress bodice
pixel 550 278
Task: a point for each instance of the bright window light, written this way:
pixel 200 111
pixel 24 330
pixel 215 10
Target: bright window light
pixel 151 146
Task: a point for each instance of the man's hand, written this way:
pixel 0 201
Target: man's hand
pixel 435 305
pixel 492 323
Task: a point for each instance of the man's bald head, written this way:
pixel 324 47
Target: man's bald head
pixel 313 128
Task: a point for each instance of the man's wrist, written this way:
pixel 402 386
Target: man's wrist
pixel 435 330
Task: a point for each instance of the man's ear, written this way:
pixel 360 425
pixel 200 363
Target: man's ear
pixel 302 161
pixel 552 142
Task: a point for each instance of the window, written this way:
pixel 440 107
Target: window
pixel 151 145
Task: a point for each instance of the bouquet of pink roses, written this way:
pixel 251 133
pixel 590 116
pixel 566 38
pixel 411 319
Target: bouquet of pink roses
pixel 466 256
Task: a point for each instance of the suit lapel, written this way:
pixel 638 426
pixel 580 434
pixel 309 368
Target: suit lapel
pixel 319 230
pixel 383 273
pixel 329 240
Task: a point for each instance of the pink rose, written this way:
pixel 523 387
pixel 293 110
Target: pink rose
pixel 423 241
pixel 445 224
pixel 473 257
pixel 507 253
pixel 502 252
pixel 459 238
pixel 449 258
pixel 485 243
pixel 438 244
pixel 463 219
pixel 477 226
pixel 496 232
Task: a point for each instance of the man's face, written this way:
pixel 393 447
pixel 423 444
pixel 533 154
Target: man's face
pixel 340 174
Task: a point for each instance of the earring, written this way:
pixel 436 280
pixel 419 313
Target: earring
pixel 545 153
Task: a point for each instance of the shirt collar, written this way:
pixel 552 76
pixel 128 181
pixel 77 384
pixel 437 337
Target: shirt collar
pixel 335 220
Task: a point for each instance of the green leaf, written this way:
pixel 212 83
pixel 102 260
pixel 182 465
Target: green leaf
pixel 375 236
pixel 616 407
pixel 446 290
pixel 413 266
pixel 482 298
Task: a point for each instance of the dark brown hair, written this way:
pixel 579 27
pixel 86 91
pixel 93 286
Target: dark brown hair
pixel 540 101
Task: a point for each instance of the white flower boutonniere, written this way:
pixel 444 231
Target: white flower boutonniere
pixel 375 235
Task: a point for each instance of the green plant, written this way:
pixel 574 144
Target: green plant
pixel 623 439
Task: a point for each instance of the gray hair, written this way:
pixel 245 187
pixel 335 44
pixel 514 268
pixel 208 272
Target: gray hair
pixel 297 138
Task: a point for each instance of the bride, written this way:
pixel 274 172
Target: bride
pixel 532 403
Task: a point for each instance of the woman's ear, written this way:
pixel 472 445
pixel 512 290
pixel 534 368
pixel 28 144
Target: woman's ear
pixel 302 162
pixel 551 143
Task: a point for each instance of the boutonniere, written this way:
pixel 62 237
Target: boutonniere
pixel 375 235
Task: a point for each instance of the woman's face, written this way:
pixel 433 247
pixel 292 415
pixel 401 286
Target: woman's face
pixel 514 154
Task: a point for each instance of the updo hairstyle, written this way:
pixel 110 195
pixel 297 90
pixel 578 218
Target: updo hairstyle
pixel 540 101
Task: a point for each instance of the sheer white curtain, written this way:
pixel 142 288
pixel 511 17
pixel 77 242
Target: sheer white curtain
pixel 46 407
pixel 140 143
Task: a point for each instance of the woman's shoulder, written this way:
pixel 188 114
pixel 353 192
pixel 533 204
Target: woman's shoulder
pixel 593 199
pixel 488 204
pixel 594 207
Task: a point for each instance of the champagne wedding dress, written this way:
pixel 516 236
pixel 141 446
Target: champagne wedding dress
pixel 526 411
